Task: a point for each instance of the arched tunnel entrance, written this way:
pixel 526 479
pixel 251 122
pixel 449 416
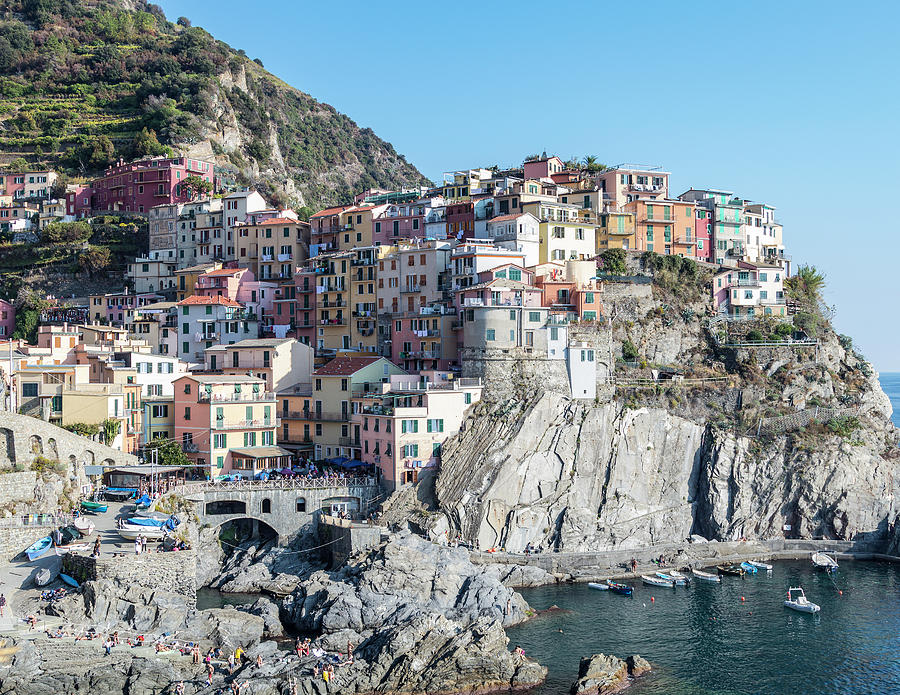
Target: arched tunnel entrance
pixel 235 532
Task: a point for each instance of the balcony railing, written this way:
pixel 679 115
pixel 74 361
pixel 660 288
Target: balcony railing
pixel 285 256
pixel 349 441
pixel 296 414
pixel 235 397
pixel 333 322
pixel 421 354
pixel 329 417
pixel 248 424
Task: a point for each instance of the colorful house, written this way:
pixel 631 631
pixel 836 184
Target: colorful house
pixel 206 321
pixel 750 289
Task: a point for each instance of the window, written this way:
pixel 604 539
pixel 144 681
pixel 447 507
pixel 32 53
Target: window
pixel 748 294
pixel 409 426
pixel 512 314
pixel 29 389
pixel 344 384
pixel 468 398
pixel 301 504
pixel 268 438
pixel 219 441
pixel 187 388
pixel 436 425
pixel 515 274
pixel 588 297
pixel 763 277
pixel 249 438
pixel 266 506
pixel 488 335
pixel 220 462
pixel 649 232
pixel 411 450
pixel 187 413
pixel 534 316
pixel 587 355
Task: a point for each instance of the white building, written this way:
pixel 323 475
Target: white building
pixel 517 232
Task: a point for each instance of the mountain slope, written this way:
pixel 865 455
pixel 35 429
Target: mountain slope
pixel 80 80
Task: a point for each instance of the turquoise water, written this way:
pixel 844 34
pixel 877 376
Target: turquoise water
pixel 704 640
pixel 890 382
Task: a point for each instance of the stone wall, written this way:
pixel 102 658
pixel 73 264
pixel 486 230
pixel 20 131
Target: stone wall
pixel 172 571
pixel 22 438
pixel 16 487
pixel 342 538
pixel 13 540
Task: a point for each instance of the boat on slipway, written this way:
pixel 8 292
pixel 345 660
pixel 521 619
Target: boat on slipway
pixel 84 525
pixel 38 548
pixel 151 533
pixel 823 561
pixel 96 507
pixel 796 600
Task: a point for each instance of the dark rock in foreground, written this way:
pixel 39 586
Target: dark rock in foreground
pixel 602 674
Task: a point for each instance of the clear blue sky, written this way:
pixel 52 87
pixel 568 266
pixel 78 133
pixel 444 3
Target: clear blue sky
pixel 791 103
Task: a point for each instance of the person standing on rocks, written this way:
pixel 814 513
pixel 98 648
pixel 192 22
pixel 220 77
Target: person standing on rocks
pixel 2 605
pixel 137 545
pixel 143 544
pixel 210 669
pixel 96 552
pixel 633 565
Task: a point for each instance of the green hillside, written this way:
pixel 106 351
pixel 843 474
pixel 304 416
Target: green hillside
pixel 84 82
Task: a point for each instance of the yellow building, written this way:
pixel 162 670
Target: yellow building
pixel 333 388
pixel 567 232
pixel 158 421
pixel 616 231
pixel 96 403
pixel 356 226
pixel 186 278
pixel 363 297
pixel 333 282
pixel 273 248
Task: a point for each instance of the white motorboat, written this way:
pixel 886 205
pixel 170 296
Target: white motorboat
pixel 598 586
pixel 676 577
pixel 824 562
pixel 658 581
pixel 151 533
pixel 706 576
pixel 796 600
pixel 760 565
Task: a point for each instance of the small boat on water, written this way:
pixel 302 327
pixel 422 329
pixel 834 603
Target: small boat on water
pixel 799 602
pixel 658 581
pixel 760 565
pixel 731 570
pixel 599 586
pixel 706 576
pixel 675 577
pixel 85 526
pixel 824 562
pixel 68 580
pixel 617 588
pixel 38 548
pixel 97 507
pixel 46 575
pixel 749 568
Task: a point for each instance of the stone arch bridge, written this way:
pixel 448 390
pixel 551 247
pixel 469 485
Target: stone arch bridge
pixel 286 506
pixel 24 438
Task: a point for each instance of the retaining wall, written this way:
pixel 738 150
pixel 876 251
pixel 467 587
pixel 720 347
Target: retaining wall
pixel 172 571
pixel 342 538
pixel 14 540
pixel 17 487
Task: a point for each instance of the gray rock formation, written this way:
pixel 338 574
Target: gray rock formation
pixel 602 674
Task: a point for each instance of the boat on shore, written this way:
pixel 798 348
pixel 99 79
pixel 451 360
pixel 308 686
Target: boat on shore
pixel 85 526
pixel 68 580
pixel 74 548
pixel 151 533
pixel 749 567
pixel 38 548
pixel 706 576
pixel 731 570
pixel 599 586
pixel 617 588
pixel 825 562
pixel 46 575
pixel 96 507
pixel 796 600
pixel 760 565
pixel 658 581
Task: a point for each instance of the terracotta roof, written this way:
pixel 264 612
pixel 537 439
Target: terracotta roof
pixel 197 299
pixel 344 366
pixel 330 211
pixel 223 271
pixel 506 218
pixel 278 220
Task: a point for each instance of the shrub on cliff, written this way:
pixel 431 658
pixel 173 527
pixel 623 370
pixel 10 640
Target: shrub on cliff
pixel 843 426
pixel 629 350
pixel 614 261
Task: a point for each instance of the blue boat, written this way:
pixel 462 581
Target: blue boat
pixel 38 548
pixel 617 588
pixel 144 502
pixel 747 567
pixel 68 580
pixel 150 522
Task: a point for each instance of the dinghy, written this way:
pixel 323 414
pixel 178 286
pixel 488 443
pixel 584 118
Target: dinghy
pixel 824 562
pixel 46 575
pixel 84 525
pixel 658 581
pixel 151 533
pixel 598 586
pixel 74 548
pixel 760 565
pixel 749 568
pixel 731 570
pixel 668 576
pixel 706 576
pixel 38 548
pixel 68 580
pixel 798 602
pixel 97 507
pixel 617 588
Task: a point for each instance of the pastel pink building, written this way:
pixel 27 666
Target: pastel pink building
pixel 7 319
pixel 543 168
pixel 703 232
pixel 239 285
pixel 145 183
pixel 78 202
pixel 424 341
pixel 394 222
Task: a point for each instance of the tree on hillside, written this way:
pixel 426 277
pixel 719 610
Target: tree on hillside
pixel 102 153
pixel 806 286
pixel 28 313
pixel 614 261
pixel 183 22
pixel 58 232
pixel 146 144
pixel 195 186
pixel 170 453
pixel 94 259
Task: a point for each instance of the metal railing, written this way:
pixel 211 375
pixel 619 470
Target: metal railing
pixel 235 397
pixel 248 424
pixel 299 483
pixel 31 520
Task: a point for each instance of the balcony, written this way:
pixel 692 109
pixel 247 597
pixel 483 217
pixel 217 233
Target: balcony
pixel 265 257
pixel 340 303
pixel 296 414
pixel 349 441
pixel 285 256
pixel 410 288
pixel 262 396
pixel 333 322
pixel 248 424
pixel 329 417
pixel 685 241
pixel 421 354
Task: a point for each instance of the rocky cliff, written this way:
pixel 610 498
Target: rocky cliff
pixel 658 464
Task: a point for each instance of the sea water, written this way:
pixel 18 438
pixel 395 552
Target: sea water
pixel 890 382
pixel 730 638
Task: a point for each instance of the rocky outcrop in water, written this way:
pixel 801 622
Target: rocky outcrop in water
pixel 603 675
